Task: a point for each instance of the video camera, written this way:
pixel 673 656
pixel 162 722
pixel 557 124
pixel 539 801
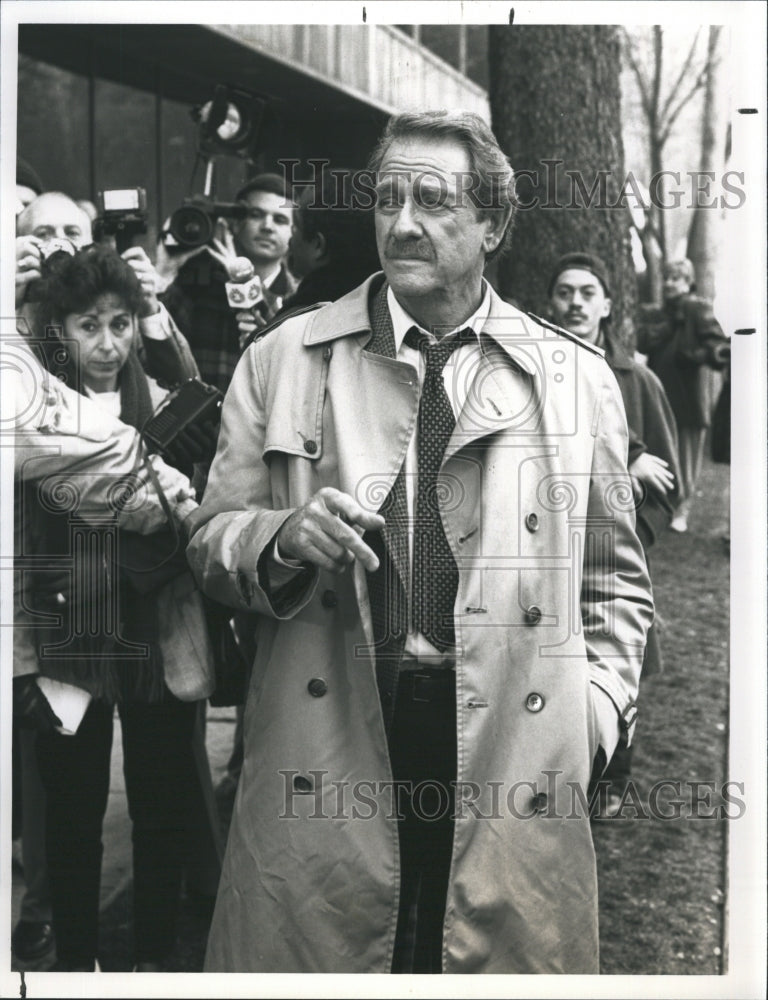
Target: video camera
pixel 229 125
pixel 193 224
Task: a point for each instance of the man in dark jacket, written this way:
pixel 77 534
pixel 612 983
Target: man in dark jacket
pixel 684 343
pixel 579 293
pixel 197 298
pixel 333 243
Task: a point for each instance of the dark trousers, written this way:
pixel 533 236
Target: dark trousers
pixel 423 755
pixel 162 789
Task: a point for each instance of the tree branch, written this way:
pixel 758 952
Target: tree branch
pixel 681 76
pixel 658 55
pixel 673 116
pixel 642 83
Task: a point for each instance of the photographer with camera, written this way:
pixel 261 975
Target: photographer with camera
pixel 197 297
pixel 130 592
pixel 54 223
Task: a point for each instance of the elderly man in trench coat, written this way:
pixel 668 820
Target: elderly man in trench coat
pixel 320 453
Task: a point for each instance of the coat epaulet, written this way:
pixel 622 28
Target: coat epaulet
pixel 279 320
pixel 571 336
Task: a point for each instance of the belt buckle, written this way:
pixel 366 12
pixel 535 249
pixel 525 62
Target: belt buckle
pixel 419 677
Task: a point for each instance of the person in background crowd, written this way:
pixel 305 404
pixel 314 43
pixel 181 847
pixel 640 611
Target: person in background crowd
pixel 412 622
pixel 94 297
pixel 579 298
pixel 46 217
pixel 60 434
pixel 28 184
pixel 333 243
pixel 684 343
pixel 196 297
pixel 55 216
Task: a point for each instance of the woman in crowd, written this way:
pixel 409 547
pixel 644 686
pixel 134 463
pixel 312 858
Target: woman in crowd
pixel 109 598
pixel 684 344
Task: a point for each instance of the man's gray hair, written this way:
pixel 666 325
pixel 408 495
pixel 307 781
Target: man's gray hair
pixel 492 187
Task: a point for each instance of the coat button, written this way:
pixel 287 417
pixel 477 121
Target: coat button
pixel 532 522
pixel 310 447
pixel 532 615
pixel 329 599
pixel 539 802
pixel 534 702
pixel 302 785
pixel 317 687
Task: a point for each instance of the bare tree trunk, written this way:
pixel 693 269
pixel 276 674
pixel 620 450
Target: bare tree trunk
pixel 556 110
pixel 706 226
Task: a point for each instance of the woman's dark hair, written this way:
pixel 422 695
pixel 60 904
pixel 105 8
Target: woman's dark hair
pixel 72 283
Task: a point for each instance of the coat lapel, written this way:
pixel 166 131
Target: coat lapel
pixel 373 401
pixel 505 389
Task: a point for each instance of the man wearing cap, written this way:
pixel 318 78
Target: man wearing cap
pixel 422 494
pixel 579 297
pixel 684 343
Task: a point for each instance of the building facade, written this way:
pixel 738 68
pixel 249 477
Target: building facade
pixel 105 106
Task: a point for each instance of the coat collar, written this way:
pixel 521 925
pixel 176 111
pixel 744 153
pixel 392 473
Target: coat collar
pixel 507 326
pixel 617 356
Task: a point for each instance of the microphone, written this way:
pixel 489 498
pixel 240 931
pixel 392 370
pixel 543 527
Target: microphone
pixel 244 286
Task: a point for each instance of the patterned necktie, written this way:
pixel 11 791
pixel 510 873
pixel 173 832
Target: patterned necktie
pixel 435 578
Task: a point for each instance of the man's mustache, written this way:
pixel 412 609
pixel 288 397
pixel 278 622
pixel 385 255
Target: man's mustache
pixel 408 250
pixel 574 315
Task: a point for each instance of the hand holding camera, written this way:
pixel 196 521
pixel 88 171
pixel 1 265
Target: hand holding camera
pixel 148 277
pixel 28 264
pixel 31 255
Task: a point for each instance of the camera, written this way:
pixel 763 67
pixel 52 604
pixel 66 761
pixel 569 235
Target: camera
pixel 194 403
pixel 56 245
pixel 193 224
pixel 122 214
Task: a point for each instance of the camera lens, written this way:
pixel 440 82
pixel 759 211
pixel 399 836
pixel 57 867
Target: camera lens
pixel 191 226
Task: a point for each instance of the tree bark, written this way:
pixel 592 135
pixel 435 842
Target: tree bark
pixel 556 111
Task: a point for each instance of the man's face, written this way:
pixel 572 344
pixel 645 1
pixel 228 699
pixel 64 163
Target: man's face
pixel 579 303
pixel 430 236
pixel 264 234
pixel 675 284
pixel 52 216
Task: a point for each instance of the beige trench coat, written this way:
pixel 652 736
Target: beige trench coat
pixel 551 613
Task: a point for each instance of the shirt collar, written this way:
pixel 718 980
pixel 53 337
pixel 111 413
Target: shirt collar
pixel 269 281
pixel 402 322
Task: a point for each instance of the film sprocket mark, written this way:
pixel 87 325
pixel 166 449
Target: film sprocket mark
pixel 191 405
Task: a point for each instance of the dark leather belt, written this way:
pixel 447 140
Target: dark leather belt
pixel 427 685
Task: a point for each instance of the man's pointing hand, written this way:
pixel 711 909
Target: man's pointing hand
pixel 326 532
